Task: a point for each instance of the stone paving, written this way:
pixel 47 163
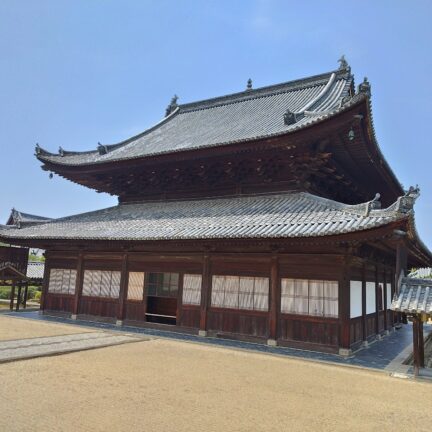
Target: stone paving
pixel 21 349
pixel 385 355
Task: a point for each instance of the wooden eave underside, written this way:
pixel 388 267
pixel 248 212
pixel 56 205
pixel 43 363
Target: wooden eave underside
pixel 354 166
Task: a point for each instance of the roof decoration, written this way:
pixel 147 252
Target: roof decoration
pixel 405 204
pixel 249 84
pixel 172 106
pixel 287 215
pixel 365 87
pixel 102 149
pixel 343 64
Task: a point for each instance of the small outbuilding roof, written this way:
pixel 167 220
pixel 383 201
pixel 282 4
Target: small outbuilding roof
pixel 35 270
pixel 25 219
pixel 285 215
pixel 415 296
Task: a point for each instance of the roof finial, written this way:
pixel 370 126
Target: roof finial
pixel 343 63
pixel 38 149
pixel 365 87
pixel 172 106
pixel 61 151
pixel 249 84
pixel 102 149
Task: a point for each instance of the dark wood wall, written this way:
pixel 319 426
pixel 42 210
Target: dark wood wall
pixel 290 329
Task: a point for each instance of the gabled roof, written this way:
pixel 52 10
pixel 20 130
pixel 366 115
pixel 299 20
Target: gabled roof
pixel 20 218
pixel 415 296
pixel 248 115
pixel 9 272
pixel 287 215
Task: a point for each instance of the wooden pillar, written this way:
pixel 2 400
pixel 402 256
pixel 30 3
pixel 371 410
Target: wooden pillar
pixel 12 296
pixel 123 290
pixel 25 295
pixel 364 322
pixel 344 310
pixel 416 353
pixel 179 312
pixel 18 297
pixel 275 299
pixel 205 295
pixel 421 343
pixel 385 299
pixel 45 284
pixel 377 300
pixel 78 285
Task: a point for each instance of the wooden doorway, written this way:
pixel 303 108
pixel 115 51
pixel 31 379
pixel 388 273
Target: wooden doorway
pixel 161 294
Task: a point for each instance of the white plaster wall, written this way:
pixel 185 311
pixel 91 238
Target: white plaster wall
pixel 370 298
pixel 389 297
pixel 355 299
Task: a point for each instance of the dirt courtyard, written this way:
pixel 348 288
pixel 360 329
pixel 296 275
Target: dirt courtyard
pixel 164 385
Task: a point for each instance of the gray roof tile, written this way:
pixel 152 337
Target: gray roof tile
pixel 262 216
pixel 415 296
pixel 230 119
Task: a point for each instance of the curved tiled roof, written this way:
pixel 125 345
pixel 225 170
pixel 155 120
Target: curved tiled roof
pixel 20 218
pixel 252 114
pixel 415 296
pixel 285 215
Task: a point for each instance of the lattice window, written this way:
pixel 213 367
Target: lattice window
pixel 240 292
pixel 162 284
pixel 101 283
pixel 62 281
pixel 192 289
pixel 136 286
pixel 309 297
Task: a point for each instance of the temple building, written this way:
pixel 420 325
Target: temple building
pixel 268 215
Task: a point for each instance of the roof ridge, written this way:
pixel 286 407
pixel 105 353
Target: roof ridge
pixel 261 92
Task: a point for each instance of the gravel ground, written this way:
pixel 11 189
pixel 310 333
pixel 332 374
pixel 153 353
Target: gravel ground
pixel 16 328
pixel 164 385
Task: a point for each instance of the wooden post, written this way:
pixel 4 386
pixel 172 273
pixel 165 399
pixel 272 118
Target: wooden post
pixel 344 310
pixel 377 300
pixel 416 353
pixel 179 312
pixel 385 300
pixel 45 285
pixel 274 301
pixel 12 296
pixel 25 295
pixel 205 295
pixel 78 285
pixel 364 323
pixel 18 297
pixel 123 290
pixel 421 344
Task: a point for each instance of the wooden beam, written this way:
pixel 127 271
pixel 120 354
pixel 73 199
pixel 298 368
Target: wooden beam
pixel 274 299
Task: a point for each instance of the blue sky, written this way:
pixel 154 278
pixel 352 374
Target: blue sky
pixel 73 73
